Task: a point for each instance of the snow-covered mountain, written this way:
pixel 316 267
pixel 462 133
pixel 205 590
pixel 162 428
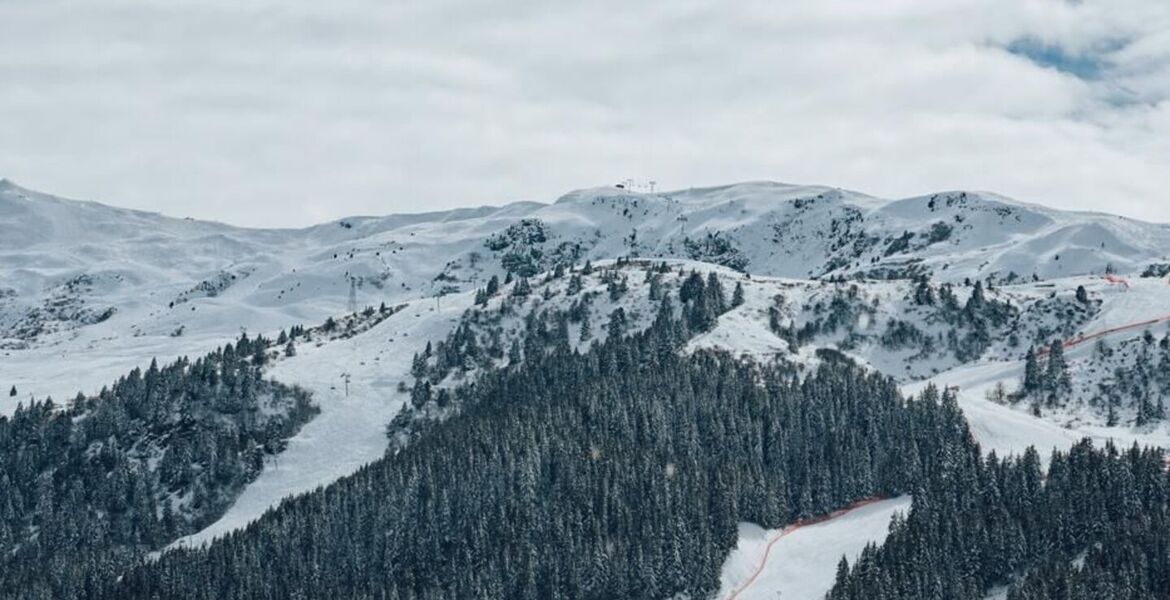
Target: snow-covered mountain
pixel 107 288
pixel 88 292
pixel 71 264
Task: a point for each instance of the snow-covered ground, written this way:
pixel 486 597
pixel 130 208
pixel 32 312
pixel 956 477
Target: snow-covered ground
pixel 351 429
pixel 180 287
pixel 160 274
pixel 801 565
pixel 1008 429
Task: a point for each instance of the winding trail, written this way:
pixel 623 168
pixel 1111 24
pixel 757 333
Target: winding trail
pixel 790 529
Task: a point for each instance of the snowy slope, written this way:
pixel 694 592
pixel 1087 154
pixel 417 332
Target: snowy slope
pixel 88 292
pixel 158 274
pixel 351 429
pixel 801 565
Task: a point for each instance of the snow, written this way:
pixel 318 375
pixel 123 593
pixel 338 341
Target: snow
pixel 1008 429
pixel 997 593
pixel 803 564
pixel 142 262
pixel 351 430
pixel 268 280
pixel 743 330
pixel 999 428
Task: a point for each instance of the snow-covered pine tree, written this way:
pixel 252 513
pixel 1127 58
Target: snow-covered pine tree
pixel 737 298
pixel 1033 378
pixel 1057 379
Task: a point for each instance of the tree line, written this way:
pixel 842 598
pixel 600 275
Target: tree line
pixel 87 488
pixel 1095 525
pixel 619 472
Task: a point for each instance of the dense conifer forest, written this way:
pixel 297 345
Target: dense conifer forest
pixel 567 466
pixel 1096 526
pixel 620 473
pixel 87 488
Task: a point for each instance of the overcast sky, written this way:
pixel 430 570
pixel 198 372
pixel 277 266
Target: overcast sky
pixel 286 113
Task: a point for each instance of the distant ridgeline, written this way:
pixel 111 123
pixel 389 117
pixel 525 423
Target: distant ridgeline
pixel 619 472
pixel 87 489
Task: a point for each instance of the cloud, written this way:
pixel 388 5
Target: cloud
pixel 285 113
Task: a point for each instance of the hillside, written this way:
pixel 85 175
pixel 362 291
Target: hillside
pixel 951 289
pixel 72 264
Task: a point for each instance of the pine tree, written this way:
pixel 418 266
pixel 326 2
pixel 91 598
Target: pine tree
pixel 691 288
pixel 1111 418
pixel 260 354
pixel 514 354
pixel 842 579
pixel 418 366
pixel 290 350
pixel 1033 380
pixel 152 427
pixel 714 289
pixel 12 392
pixel 617 323
pixel 923 293
pixel 575 285
pixel 1057 377
pixel 977 301
pixel 737 299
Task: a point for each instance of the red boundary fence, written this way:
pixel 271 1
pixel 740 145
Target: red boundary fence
pixel 1069 343
pixel 790 529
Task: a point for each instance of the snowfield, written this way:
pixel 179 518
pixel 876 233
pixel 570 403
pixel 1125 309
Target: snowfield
pixel 801 565
pixel 1007 429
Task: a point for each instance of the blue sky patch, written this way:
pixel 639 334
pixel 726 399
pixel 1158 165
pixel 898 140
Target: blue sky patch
pixel 1085 65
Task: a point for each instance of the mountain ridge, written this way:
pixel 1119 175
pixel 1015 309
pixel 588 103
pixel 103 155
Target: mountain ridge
pixel 129 258
pixel 7 184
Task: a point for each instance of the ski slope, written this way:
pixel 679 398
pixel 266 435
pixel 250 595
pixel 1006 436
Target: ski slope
pixel 1007 429
pixel 351 430
pixel 801 564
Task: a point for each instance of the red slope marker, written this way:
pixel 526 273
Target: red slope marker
pixel 791 528
pixel 1100 334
